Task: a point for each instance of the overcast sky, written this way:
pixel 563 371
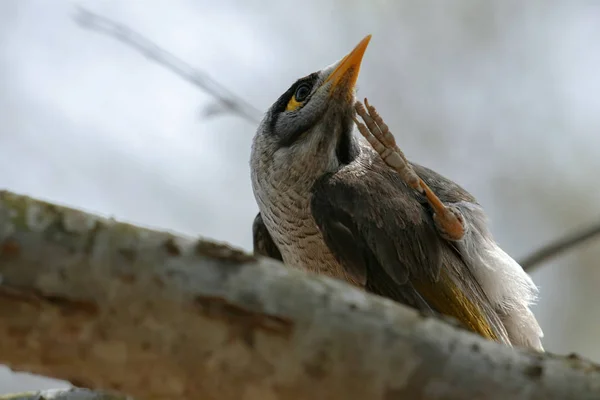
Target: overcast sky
pixel 500 96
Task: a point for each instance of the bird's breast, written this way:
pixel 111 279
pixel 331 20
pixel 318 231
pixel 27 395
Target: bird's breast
pixel 288 218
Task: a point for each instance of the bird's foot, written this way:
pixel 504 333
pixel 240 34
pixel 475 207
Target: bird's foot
pixel 450 224
pixel 382 140
pixel 448 219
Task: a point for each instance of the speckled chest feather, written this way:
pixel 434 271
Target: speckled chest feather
pixel 283 197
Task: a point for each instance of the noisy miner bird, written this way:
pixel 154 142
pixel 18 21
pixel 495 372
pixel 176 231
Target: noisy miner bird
pixel 336 204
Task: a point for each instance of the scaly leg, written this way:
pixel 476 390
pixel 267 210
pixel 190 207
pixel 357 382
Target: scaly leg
pixel 448 219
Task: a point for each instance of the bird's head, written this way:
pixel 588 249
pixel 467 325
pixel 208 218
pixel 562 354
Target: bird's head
pixel 310 126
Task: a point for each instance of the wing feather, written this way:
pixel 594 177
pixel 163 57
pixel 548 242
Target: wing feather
pixel 390 239
pixel 262 241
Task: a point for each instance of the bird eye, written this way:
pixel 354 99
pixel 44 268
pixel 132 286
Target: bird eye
pixel 302 92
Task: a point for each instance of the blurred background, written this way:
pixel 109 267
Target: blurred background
pixel 500 96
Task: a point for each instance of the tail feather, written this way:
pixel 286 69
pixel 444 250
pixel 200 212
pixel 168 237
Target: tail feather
pixel 507 286
pixel 457 294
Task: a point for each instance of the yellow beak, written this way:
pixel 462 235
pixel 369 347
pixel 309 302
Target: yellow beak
pixel 343 78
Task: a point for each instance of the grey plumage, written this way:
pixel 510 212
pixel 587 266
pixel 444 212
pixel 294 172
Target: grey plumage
pixel 329 204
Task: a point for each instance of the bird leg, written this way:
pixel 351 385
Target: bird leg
pixel 448 219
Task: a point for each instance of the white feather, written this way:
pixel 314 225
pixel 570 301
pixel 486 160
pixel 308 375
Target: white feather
pixel 504 281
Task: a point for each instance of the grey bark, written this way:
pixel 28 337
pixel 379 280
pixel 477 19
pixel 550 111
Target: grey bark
pixel 107 305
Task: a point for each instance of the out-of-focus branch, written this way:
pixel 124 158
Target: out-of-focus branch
pixel 558 247
pixel 112 306
pixel 64 394
pixel 226 99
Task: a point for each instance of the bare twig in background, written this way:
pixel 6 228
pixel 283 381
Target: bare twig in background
pixel 227 100
pixel 107 305
pixel 558 247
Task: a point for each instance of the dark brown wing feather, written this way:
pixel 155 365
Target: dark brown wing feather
pixel 262 240
pixel 394 244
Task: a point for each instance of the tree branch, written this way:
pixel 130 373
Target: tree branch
pixel 227 100
pixel 558 247
pixel 111 306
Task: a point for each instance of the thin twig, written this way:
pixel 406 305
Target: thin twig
pixel 558 247
pixel 228 101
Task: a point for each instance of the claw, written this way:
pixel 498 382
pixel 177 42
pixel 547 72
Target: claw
pixel 448 220
pixel 383 142
pixel 450 223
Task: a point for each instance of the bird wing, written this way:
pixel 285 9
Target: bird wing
pixel 390 238
pixel 446 190
pixel 507 286
pixel 262 240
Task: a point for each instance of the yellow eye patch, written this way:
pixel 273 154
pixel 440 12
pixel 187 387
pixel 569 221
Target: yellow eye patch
pixel 293 104
pixel 299 97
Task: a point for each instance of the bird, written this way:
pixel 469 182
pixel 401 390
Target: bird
pixel 338 198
